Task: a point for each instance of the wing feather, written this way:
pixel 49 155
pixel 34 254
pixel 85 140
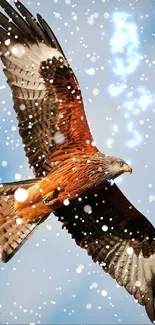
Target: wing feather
pixel 50 34
pixel 31 21
pixel 125 248
pixel 46 94
pixel 13 14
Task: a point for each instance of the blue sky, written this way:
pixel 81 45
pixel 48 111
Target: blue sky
pixel 110 46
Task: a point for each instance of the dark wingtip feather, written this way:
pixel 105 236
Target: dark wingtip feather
pixel 150 307
pixel 28 25
pixel 6 257
pixel 39 32
pixel 50 34
pixel 16 18
pixel 6 24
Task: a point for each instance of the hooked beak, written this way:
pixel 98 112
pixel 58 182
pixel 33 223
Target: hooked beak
pixel 126 168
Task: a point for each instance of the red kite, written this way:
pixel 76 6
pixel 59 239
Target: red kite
pixel 67 165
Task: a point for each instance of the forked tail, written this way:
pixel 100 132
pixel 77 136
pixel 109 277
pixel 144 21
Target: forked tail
pixel 13 230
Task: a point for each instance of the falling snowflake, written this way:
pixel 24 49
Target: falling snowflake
pixel 104 293
pixel 129 250
pixel 151 198
pixel 21 195
pixel 104 228
pixel 66 202
pixel 4 163
pixel 90 71
pixel 89 306
pixel 17 177
pixel 19 221
pixel 87 209
pixel 59 138
pixel 18 50
pixel 80 268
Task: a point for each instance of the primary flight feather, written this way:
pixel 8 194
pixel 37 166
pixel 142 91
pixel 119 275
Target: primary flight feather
pixel 61 152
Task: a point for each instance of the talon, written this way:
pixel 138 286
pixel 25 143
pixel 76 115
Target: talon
pixel 48 198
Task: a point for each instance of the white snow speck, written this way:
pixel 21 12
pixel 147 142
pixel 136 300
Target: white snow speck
pixel 91 20
pixel 137 283
pixel 17 177
pixel 19 221
pixel 48 227
pixel 4 163
pixel 106 15
pixel 21 195
pixel 96 91
pixel 7 42
pixel 66 202
pixel 13 128
pixel 96 15
pixel 105 228
pixel 112 182
pixel 87 209
pixel 88 306
pixel 57 15
pixel 22 107
pixel 115 128
pixel 90 71
pixel 79 268
pixel 104 293
pixel 93 59
pixel 129 250
pixel 151 198
pixel 110 143
pixel 59 138
pixel 94 285
pixel 18 50
pixel 93 143
pixel 75 17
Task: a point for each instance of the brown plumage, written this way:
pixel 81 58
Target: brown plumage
pixel 62 155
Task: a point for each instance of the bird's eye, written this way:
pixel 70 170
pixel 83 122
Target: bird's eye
pixel 121 163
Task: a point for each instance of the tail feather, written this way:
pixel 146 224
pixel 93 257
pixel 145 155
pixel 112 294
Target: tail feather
pixel 7 191
pixel 10 188
pixel 12 234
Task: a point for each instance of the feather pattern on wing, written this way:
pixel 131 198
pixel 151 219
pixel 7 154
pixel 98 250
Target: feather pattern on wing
pixel 46 94
pixel 117 237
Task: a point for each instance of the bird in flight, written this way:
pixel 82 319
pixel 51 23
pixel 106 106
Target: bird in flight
pixel 72 177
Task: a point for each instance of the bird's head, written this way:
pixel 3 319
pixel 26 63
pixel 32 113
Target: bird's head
pixel 116 166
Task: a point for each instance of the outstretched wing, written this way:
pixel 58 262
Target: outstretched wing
pixel 46 94
pixel 118 237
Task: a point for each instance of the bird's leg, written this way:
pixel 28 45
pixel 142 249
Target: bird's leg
pixel 50 198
